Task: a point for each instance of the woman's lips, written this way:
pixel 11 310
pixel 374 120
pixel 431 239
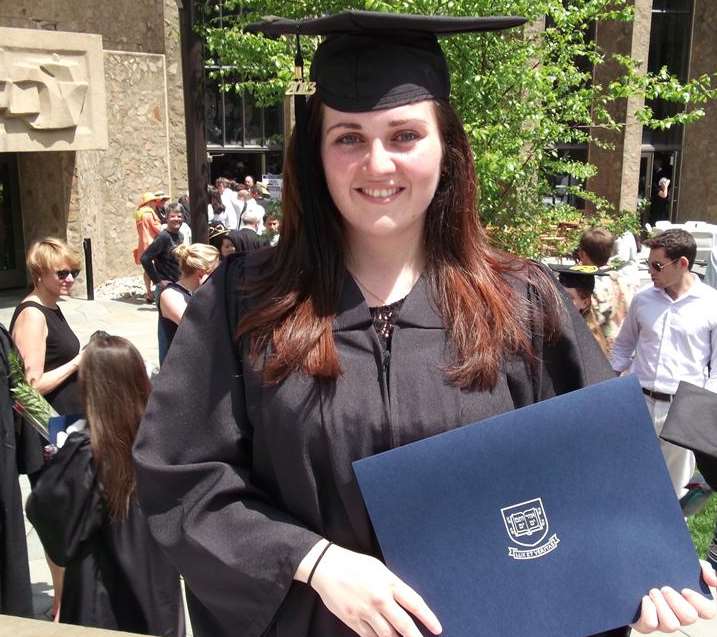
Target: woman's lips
pixel 380 194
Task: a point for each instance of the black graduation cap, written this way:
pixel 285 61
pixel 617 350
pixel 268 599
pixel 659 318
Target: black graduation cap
pixel 581 277
pixel 692 420
pixel 371 60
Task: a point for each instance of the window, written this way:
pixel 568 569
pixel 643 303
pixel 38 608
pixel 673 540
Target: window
pixel 234 121
pixel 669 47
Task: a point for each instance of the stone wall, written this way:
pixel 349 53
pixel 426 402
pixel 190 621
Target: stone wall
pixel 109 183
pixel 45 191
pixel 125 25
pixel 698 191
pixel 175 100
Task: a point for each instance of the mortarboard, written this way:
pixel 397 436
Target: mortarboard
pixel 371 60
pixel 692 419
pixel 581 277
pixel 552 519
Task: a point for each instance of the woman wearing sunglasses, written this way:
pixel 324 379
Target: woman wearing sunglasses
pixel 45 340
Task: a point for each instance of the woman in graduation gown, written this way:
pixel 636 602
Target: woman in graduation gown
pixel 382 317
pixel 85 511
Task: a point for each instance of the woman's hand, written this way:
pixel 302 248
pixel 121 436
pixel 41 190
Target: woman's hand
pixel 666 610
pixel 368 598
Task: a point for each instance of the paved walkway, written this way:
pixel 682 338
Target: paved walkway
pixel 137 322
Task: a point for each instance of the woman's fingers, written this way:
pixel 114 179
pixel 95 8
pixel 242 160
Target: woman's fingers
pixel 414 603
pixel 363 629
pixel 666 619
pixel 381 626
pixel 656 614
pixel 683 610
pixel 709 574
pixel 648 617
pixel 706 608
pixel 399 619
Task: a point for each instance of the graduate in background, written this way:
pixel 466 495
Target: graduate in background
pixel 85 510
pixel 383 316
pixel 579 283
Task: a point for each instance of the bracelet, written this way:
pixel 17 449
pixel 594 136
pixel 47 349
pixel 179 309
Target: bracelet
pixel 316 563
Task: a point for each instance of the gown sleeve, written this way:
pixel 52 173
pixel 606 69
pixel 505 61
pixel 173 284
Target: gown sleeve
pixel 66 506
pixel 237 550
pixel 567 359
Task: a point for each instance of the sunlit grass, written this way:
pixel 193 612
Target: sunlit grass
pixel 702 527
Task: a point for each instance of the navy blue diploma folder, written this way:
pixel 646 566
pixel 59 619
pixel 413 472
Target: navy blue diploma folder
pixel 549 521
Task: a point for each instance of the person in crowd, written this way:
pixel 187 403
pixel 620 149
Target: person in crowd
pixel 158 259
pixel 183 201
pixel 196 262
pixel 613 291
pixel 261 195
pixel 85 510
pixel 247 237
pixel 669 335
pixel 222 240
pixel 230 201
pixel 579 283
pixel 47 344
pixel 216 210
pixel 249 183
pixel 273 226
pixel 383 316
pixel 148 227
pixel 252 208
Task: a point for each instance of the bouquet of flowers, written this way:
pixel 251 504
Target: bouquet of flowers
pixel 28 402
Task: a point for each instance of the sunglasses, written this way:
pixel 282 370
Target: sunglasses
pixel 659 267
pixel 63 274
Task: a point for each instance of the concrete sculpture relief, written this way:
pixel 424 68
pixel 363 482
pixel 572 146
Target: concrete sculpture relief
pixel 51 91
pixel 45 96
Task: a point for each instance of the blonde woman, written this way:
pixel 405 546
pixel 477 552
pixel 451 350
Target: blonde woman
pixel 196 262
pixel 48 345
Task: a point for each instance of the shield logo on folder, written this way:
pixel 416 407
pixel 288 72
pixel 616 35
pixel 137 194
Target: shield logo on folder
pixel 526 522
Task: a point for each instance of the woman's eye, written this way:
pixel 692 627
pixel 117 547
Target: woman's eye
pixel 406 136
pixel 348 139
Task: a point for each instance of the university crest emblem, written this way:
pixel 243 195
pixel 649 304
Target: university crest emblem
pixel 527 526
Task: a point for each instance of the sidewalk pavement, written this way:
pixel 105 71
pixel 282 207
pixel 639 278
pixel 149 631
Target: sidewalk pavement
pixel 137 322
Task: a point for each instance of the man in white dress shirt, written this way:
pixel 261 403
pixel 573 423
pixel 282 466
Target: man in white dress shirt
pixel 232 206
pixel 669 335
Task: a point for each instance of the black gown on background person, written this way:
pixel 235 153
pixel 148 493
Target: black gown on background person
pixel 15 589
pixel 116 576
pixel 239 479
pixel 61 346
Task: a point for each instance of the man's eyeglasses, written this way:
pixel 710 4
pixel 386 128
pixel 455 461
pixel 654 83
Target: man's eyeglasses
pixel 63 274
pixel 659 267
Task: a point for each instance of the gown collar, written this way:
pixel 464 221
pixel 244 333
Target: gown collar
pixel 418 309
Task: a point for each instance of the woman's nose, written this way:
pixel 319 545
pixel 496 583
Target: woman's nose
pixel 379 160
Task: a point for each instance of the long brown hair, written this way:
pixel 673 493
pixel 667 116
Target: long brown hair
pixel 115 389
pixel 297 296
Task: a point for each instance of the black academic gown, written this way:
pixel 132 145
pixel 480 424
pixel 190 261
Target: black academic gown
pixel 239 479
pixel 15 590
pixel 116 576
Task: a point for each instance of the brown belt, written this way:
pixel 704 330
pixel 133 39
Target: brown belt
pixel 657 395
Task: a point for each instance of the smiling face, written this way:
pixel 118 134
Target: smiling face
pixel 382 167
pixel 174 220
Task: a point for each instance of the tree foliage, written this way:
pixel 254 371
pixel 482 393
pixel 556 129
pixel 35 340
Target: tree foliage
pixel 522 96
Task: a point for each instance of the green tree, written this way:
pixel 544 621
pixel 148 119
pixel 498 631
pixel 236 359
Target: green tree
pixel 521 94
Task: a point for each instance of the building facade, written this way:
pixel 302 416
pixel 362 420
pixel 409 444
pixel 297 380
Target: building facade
pixel 91 116
pixel 679 35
